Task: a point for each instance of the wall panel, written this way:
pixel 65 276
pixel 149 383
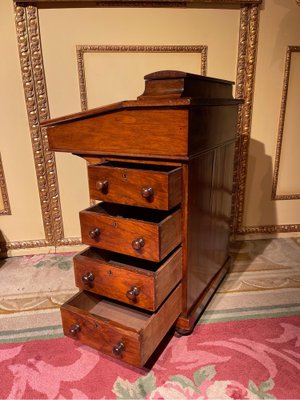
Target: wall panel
pixel 115 75
pixel 279 28
pixel 287 180
pixel 46 199
pixel 25 222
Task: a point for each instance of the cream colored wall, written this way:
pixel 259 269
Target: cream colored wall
pixel 279 28
pixel 25 223
pixel 113 76
pixel 116 76
pixel 289 179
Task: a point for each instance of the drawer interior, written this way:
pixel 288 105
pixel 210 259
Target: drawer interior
pixel 116 259
pixel 113 312
pixel 130 212
pixel 138 166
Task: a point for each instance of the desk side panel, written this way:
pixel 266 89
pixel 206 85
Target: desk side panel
pixel 209 211
pixel 211 126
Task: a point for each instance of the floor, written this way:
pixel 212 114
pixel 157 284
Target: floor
pixel 264 281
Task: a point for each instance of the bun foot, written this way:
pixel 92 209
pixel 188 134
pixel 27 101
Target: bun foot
pixel 182 332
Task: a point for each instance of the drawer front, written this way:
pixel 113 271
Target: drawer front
pixel 136 185
pixel 136 238
pixel 100 335
pixel 124 278
pixel 117 330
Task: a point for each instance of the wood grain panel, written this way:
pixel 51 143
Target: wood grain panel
pixel 170 233
pixel 209 213
pixel 211 126
pixel 160 323
pixel 120 225
pixel 114 275
pixel 138 132
pixel 104 324
pixel 125 182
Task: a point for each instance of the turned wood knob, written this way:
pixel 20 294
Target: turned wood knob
pixel 133 293
pixel 94 233
pixel 147 192
pixel 102 185
pixel 118 349
pixel 138 243
pixel 88 278
pixel 74 329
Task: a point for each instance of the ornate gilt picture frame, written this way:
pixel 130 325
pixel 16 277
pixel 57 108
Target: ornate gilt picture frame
pixel 286 82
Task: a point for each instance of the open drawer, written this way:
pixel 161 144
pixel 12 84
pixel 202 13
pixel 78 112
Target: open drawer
pixel 137 184
pixel 118 330
pixel 135 231
pixel 144 284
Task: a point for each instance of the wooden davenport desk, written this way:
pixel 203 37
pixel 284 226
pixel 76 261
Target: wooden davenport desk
pixel 162 166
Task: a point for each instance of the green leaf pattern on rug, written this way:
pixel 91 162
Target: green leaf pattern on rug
pixel 139 389
pixel 208 372
pixel 63 263
pixel 261 390
pixel 181 387
pixel 184 382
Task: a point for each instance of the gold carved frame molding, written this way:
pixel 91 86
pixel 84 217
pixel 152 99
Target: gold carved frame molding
pixel 278 228
pixel 35 91
pixel 286 80
pixel 83 49
pixel 5 206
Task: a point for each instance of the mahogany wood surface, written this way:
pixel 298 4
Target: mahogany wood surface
pixel 97 333
pixel 170 233
pixel 184 234
pixel 211 126
pixel 139 132
pixel 186 324
pixel 209 211
pixel 120 225
pixel 175 116
pixel 164 174
pixel 126 182
pixel 100 326
pixel 177 84
pixel 113 275
pixel 160 323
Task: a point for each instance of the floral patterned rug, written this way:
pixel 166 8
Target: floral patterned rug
pixel 32 288
pixel 264 281
pixel 246 345
pixel 248 359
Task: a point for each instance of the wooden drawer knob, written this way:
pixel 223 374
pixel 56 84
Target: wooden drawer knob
pixel 118 349
pixel 102 185
pixel 88 278
pixel 74 329
pixel 147 192
pixel 133 293
pixel 94 233
pixel 138 243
